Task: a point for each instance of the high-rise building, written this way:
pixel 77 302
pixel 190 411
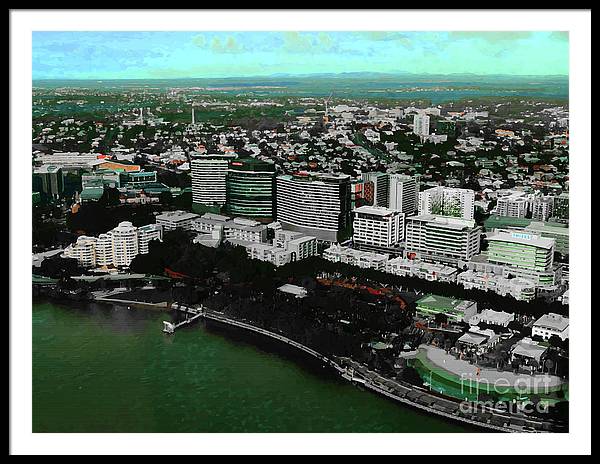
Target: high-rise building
pixel 542 208
pixel 377 228
pixel 524 255
pixel 421 124
pixel 250 186
pixel 209 179
pixel 446 201
pixel 104 250
pixel 441 239
pixel 49 180
pixel 403 193
pixel 561 207
pixel 357 193
pixel 381 187
pixel 515 204
pixel 148 233
pixel 83 250
pixel 125 243
pixel 314 204
pixel 521 250
pixel 117 247
pixel 446 128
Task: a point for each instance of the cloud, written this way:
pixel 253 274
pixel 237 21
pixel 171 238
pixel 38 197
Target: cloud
pixel 384 35
pixel 560 35
pixel 199 41
pixel 490 36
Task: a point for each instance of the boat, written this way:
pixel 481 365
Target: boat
pixel 168 327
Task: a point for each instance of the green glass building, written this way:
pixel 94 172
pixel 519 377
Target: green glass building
pixel 250 187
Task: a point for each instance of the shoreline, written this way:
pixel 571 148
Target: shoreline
pixel 411 395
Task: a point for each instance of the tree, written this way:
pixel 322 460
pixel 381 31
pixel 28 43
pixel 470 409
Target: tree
pixel 110 197
pixel 441 318
pixel 555 341
pixel 58 268
pixel 411 375
pixel 165 198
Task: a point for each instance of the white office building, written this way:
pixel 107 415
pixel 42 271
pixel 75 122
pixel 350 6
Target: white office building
pixel 404 193
pixel 377 228
pixel 446 201
pixel 542 208
pixel 421 124
pixel 514 204
pixel 246 230
pixel 363 259
pixel 441 239
pixel 316 205
pixel 287 247
pixel 209 178
pixel 171 220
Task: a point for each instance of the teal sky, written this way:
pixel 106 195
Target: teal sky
pixel 141 55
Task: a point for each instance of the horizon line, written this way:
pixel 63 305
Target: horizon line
pixel 283 75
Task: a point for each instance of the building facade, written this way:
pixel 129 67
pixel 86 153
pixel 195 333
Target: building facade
pixel 377 227
pixel 209 179
pixel 316 205
pixel 441 239
pixel 421 124
pixel 171 220
pixel 404 193
pixel 380 181
pixel 446 201
pixel 116 248
pixel 250 188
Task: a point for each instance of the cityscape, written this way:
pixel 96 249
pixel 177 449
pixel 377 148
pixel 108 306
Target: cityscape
pixel 346 249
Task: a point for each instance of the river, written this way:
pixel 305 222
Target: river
pixel 104 368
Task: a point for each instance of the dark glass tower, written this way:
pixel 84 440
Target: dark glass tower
pixel 250 184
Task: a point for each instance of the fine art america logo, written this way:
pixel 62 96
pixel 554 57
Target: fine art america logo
pixel 526 391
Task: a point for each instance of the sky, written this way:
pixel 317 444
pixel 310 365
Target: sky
pixel 158 54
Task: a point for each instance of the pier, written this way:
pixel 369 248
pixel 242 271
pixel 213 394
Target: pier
pixel 170 327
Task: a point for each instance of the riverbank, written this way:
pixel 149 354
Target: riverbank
pixel 411 395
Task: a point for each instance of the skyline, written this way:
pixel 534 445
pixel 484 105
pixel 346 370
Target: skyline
pixel 171 55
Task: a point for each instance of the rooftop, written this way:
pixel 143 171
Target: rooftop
pixel 522 238
pixel 552 321
pixel 299 292
pixel 443 303
pixel 374 210
pixel 529 349
pixel 449 222
pixel 176 216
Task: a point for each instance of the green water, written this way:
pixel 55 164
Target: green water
pixel 99 368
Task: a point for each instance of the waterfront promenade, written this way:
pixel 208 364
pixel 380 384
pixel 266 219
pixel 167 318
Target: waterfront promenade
pixel 402 392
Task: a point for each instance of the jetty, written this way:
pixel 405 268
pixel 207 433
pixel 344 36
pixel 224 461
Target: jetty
pixel 196 313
